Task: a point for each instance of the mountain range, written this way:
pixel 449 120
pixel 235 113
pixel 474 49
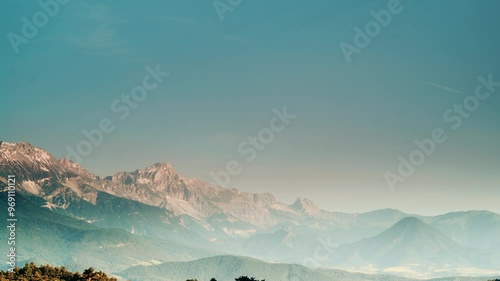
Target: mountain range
pixel 154 215
pixel 226 268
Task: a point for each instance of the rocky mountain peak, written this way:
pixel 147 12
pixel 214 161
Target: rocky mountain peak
pixel 76 169
pixel 22 151
pixel 29 162
pixel 70 164
pixel 412 223
pixel 306 205
pixel 161 165
pixel 158 168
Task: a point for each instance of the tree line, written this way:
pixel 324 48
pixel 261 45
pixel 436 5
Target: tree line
pixel 241 278
pixel 32 272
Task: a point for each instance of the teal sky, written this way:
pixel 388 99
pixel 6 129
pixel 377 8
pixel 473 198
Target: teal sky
pixel 353 119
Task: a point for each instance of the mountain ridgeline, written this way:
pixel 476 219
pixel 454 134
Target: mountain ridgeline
pixel 155 221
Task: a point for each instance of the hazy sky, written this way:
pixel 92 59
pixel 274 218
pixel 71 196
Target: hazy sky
pixel 353 119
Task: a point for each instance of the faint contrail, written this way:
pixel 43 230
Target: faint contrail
pixel 443 87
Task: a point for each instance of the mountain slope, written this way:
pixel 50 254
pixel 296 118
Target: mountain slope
pixel 68 189
pixel 46 237
pixel 408 241
pixel 473 229
pixel 227 268
pixel 412 244
pixel 160 185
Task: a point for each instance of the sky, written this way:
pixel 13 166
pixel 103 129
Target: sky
pixel 228 71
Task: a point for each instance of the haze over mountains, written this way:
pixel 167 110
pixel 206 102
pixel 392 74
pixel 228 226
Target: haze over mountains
pixel 154 215
pixel 222 266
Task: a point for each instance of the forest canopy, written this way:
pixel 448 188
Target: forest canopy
pixel 32 272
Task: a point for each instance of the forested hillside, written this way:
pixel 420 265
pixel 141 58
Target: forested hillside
pixel 32 272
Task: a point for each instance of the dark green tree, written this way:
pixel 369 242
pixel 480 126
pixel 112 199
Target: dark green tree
pixel 32 272
pixel 246 278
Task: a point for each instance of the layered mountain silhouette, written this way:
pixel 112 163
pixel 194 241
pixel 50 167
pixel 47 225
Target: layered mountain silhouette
pixel 224 267
pixel 44 236
pixel 229 267
pixel 473 229
pixel 180 219
pixel 409 241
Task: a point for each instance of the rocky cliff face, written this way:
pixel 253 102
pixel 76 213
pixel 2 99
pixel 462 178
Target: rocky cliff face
pixel 63 182
pixel 30 164
pixel 159 185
